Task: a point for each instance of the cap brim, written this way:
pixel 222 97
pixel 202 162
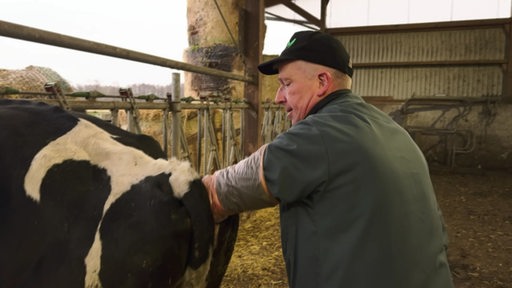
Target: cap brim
pixel 270 67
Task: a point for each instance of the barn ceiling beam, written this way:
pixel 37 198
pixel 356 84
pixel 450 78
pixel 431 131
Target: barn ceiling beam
pixel 275 17
pixel 299 10
pixel 303 13
pixel 434 26
pixel 270 3
pixel 323 14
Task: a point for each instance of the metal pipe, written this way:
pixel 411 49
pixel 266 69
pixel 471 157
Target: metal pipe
pixel 165 130
pixel 176 118
pixel 108 105
pixel 21 32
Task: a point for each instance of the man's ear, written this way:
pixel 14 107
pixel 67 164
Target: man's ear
pixel 325 81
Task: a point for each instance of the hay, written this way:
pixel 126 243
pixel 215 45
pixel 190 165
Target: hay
pixel 32 79
pixel 257 260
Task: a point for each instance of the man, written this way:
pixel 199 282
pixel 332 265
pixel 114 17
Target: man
pixel 356 201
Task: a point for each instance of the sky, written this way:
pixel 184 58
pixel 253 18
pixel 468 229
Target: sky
pixel 159 27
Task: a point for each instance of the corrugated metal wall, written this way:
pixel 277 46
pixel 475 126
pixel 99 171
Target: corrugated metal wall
pixel 428 63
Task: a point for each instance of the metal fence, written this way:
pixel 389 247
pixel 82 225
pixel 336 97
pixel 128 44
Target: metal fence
pixel 211 154
pixel 206 131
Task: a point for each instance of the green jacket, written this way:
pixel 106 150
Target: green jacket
pixel 357 205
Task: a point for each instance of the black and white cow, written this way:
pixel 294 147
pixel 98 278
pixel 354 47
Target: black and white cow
pixel 86 204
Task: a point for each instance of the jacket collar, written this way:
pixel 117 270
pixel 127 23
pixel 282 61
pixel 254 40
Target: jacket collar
pixel 328 99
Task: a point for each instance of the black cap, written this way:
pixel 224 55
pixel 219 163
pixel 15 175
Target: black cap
pixel 315 47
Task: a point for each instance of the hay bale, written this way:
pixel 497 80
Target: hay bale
pixel 32 79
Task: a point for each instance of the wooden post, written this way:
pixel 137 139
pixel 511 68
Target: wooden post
pixel 507 68
pixel 252 43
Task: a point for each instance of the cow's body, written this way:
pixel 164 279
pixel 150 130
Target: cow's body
pixel 84 203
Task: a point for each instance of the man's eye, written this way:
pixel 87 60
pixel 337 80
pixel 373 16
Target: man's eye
pixel 285 83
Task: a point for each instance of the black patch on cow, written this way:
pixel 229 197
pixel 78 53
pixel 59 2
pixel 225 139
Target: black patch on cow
pixel 145 236
pixel 25 128
pixel 54 236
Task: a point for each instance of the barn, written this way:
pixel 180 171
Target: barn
pixel 448 82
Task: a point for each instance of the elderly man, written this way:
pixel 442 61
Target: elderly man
pixel 356 201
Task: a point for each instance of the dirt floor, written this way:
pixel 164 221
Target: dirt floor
pixel 477 206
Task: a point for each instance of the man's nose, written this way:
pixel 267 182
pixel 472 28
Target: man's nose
pixel 279 99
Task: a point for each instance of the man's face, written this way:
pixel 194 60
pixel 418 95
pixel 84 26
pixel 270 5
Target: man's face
pixel 298 89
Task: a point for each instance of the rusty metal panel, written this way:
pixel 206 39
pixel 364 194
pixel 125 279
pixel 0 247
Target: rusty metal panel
pixel 410 56
pixel 474 44
pixel 404 83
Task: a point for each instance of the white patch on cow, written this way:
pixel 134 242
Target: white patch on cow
pixel 197 278
pixel 182 174
pixel 125 165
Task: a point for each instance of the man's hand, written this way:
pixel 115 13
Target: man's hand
pixel 219 213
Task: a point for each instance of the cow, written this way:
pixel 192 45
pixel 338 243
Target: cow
pixel 84 203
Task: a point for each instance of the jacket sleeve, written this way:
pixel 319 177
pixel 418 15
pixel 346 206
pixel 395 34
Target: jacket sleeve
pixel 239 187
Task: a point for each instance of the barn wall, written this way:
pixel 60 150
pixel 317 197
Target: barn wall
pixel 405 83
pixel 403 64
pixel 440 61
pixel 399 65
pixel 464 135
